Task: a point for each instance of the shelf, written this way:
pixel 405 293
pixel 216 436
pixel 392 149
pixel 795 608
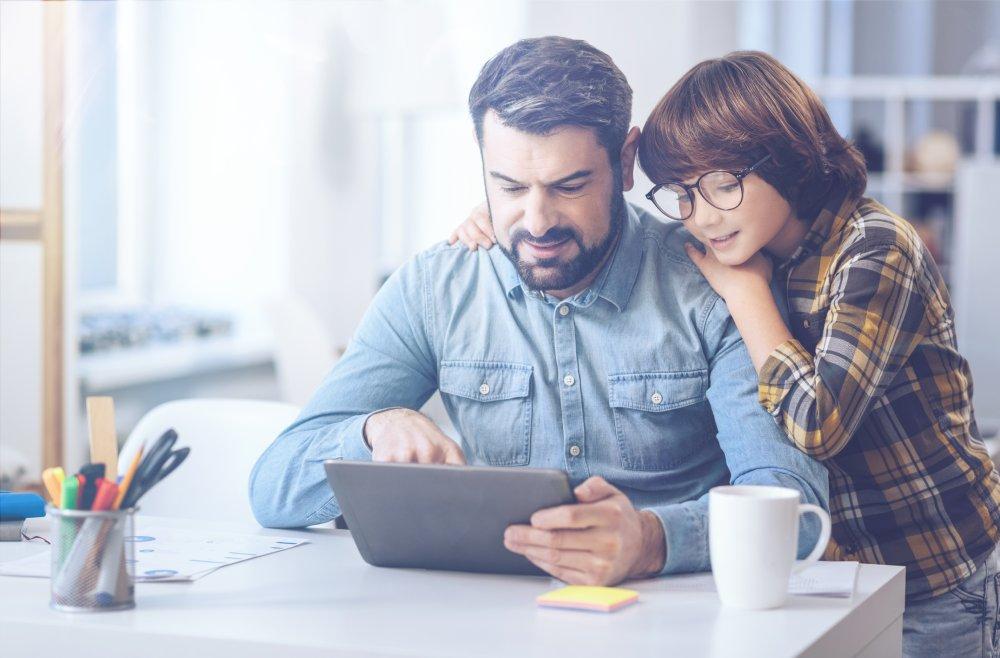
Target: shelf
pixel 926 87
pixel 910 182
pixel 102 371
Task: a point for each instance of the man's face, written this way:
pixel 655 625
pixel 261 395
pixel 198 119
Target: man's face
pixel 554 202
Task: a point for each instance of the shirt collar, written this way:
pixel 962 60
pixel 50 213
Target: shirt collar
pixel 506 270
pixel 615 283
pixel 617 277
pixel 830 221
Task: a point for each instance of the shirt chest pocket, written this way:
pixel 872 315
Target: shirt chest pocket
pixel 661 418
pixel 490 404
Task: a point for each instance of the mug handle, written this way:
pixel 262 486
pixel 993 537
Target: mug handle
pixel 824 536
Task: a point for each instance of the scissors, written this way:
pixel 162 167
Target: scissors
pixel 157 464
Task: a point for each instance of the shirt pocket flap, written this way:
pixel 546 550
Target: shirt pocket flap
pixel 486 381
pixel 657 391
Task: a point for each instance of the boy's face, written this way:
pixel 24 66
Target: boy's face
pixel 736 235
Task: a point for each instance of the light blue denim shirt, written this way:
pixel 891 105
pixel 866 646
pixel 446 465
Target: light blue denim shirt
pixel 642 379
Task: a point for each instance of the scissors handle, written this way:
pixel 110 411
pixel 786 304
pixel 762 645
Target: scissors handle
pixel 155 456
pixel 156 465
pixel 172 462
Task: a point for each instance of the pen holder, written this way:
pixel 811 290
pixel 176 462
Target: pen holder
pixel 92 563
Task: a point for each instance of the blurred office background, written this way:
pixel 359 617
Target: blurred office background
pixel 199 199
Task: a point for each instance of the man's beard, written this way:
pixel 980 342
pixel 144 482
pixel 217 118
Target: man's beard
pixel 555 274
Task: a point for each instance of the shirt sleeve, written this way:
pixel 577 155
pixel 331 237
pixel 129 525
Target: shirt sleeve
pixel 756 450
pixel 875 321
pixel 389 363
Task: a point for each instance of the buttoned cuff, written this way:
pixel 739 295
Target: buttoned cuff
pixel 353 444
pixel 685 528
pixel 786 364
pixel 351 441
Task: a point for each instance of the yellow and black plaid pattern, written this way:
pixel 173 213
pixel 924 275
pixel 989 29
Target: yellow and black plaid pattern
pixel 874 386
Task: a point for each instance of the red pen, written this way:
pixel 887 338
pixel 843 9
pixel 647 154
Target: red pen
pixel 82 480
pixel 107 491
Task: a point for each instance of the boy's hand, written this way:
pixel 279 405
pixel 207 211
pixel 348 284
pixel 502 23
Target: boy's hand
pixel 730 281
pixel 476 231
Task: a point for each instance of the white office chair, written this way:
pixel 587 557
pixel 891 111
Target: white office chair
pixel 226 438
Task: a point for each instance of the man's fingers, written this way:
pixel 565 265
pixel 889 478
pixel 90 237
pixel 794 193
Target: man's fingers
pixel 522 537
pixel 577 517
pixel 429 453
pixel 400 456
pixel 446 451
pixel 565 574
pixel 582 561
pixel 594 489
pixel 453 455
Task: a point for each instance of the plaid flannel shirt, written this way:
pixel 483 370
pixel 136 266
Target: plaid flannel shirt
pixel 874 386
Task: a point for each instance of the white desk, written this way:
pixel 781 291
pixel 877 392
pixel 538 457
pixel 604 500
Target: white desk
pixel 322 599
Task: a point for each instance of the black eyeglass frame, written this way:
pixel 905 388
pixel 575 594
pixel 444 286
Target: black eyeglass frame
pixel 739 175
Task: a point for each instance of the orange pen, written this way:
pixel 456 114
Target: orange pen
pixel 127 480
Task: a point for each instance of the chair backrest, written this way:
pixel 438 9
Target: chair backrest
pixel 226 438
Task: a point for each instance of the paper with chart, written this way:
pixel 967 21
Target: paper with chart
pixel 834 579
pixel 824 579
pixel 171 555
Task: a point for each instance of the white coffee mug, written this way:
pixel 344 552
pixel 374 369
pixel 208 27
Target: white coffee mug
pixel 753 536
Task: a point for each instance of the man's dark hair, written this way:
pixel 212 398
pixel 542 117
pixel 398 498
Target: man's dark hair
pixel 539 85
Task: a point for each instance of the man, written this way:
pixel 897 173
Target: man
pixel 586 342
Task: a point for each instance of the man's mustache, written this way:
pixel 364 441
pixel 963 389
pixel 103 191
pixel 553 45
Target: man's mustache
pixel 554 235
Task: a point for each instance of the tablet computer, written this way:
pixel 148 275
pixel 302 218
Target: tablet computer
pixel 442 517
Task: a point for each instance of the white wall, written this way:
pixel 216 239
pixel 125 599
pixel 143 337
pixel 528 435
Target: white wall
pixel 21 117
pixel 977 234
pixel 652 43
pixel 21 356
pixel 332 221
pixel 21 105
pixel 218 140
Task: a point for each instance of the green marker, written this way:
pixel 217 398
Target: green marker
pixel 69 491
pixel 67 530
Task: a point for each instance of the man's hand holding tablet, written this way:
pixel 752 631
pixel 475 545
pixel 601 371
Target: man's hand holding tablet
pixel 600 540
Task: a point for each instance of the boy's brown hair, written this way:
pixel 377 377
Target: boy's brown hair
pixel 727 113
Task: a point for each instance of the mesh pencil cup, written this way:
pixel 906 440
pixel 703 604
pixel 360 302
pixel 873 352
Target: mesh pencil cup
pixel 91 561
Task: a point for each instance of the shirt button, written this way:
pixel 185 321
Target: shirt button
pixel 484 389
pixel 569 380
pixel 656 398
pixel 805 323
pixel 564 310
pixel 574 450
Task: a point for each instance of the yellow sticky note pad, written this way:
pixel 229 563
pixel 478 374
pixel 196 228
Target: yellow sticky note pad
pixel 602 599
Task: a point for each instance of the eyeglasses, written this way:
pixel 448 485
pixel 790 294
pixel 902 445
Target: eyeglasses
pixel 722 189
